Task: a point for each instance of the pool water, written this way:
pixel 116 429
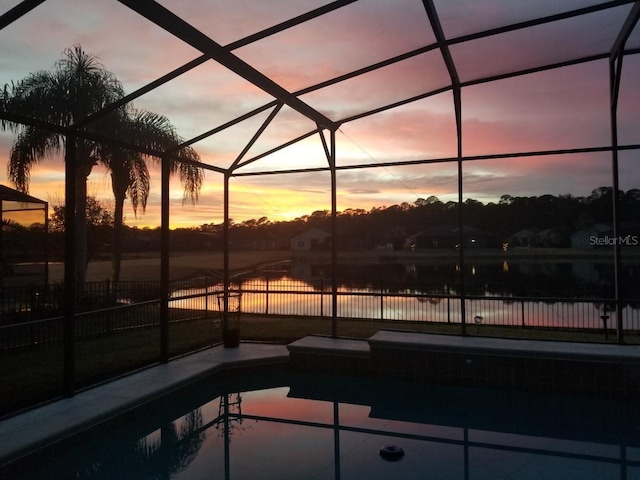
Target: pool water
pixel 285 426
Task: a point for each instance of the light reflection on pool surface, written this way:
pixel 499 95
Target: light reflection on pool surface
pixel 319 427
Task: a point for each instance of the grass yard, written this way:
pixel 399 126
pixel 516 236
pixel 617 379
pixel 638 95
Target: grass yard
pixel 33 375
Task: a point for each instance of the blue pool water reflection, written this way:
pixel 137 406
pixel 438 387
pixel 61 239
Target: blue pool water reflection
pixel 318 427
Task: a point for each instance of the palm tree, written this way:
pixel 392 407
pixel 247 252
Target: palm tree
pixel 130 175
pixel 77 87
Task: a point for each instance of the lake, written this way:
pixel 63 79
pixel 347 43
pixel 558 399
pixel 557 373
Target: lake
pixel 567 294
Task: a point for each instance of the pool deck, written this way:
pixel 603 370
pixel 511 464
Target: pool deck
pixel 27 432
pixel 520 364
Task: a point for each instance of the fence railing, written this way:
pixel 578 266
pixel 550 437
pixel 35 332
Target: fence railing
pixel 394 302
pixel 137 306
pixel 96 322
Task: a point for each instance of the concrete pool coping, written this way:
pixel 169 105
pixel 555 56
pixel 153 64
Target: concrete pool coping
pixel 329 345
pixel 407 340
pixel 547 349
pixel 34 429
pixel 604 370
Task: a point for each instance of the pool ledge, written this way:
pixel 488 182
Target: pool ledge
pixel 326 355
pixel 27 432
pixel 605 370
pixel 539 349
pixel 328 345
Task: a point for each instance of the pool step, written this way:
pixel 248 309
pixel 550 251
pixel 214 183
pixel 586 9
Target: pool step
pixel 606 370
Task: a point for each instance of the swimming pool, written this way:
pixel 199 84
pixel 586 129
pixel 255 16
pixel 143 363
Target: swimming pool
pixel 291 426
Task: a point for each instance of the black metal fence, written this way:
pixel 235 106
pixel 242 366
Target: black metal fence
pixel 33 315
pixel 431 304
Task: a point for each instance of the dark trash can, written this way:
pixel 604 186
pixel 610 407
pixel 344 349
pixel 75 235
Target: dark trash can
pixel 230 318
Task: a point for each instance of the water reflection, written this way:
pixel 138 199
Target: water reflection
pixel 502 292
pixel 542 278
pixel 333 428
pixel 167 449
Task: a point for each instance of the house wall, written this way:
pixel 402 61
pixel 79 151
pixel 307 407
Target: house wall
pixel 314 239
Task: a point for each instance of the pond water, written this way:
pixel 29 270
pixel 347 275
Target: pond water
pixel 498 292
pixel 493 277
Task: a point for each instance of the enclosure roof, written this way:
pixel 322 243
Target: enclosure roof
pixel 304 68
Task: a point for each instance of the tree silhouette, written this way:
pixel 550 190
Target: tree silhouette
pixel 130 174
pixel 77 87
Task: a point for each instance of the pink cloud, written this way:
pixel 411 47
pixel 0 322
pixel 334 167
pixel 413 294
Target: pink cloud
pixel 363 33
pixel 424 129
pixel 558 109
pixel 226 22
pixel 628 110
pixel 576 174
pixel 544 44
pixel 394 83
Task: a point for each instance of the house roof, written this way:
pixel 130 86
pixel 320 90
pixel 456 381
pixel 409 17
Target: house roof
pixel 11 195
pixel 531 231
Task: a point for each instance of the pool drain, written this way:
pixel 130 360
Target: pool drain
pixel 391 452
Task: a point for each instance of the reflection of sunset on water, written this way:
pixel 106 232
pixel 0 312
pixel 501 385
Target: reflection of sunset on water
pixel 427 302
pixel 268 404
pixel 518 293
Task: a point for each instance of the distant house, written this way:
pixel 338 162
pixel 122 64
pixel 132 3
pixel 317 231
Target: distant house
pixel 533 237
pixel 249 240
pixel 448 236
pixel 312 239
pixel 551 238
pixel 186 239
pixel 524 238
pixel 141 240
pixel 584 239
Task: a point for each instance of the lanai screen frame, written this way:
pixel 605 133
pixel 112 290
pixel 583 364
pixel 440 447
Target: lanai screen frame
pixel 325 127
pixel 23 200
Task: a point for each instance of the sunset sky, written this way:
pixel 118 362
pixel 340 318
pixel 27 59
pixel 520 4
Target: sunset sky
pixel 562 108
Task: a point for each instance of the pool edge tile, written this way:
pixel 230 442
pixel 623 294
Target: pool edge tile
pixel 27 432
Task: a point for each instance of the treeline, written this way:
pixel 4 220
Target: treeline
pixel 356 228
pixel 359 228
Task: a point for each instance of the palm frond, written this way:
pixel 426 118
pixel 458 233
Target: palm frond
pixel 10 224
pixel 139 185
pixel 192 179
pixel 31 146
pixel 151 130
